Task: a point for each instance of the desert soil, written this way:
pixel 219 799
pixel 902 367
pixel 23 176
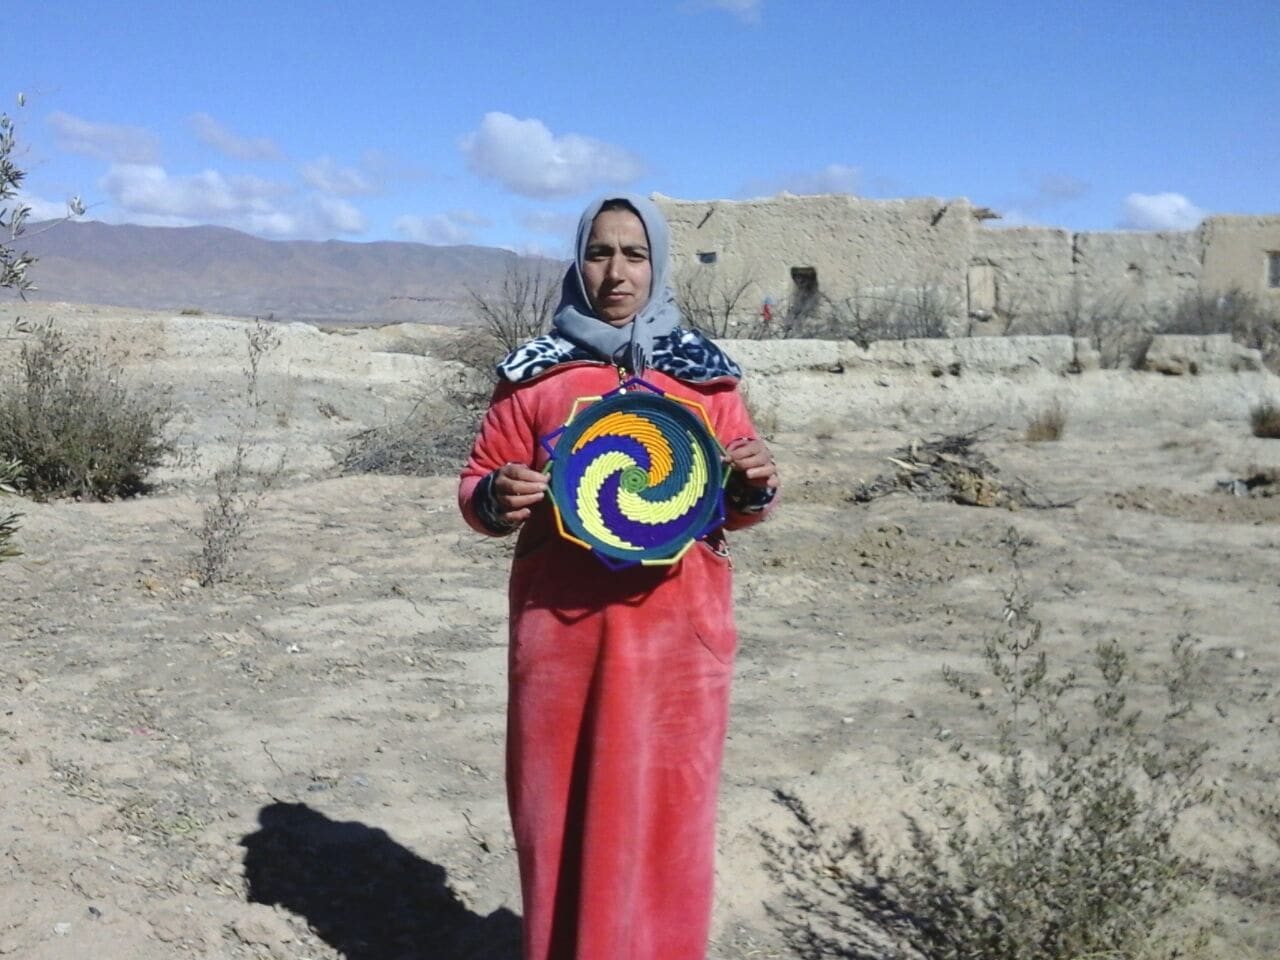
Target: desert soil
pixel 305 761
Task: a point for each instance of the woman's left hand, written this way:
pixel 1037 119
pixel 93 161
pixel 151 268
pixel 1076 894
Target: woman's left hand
pixel 751 458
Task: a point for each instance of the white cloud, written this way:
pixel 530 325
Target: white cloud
pixel 528 159
pixel 440 228
pixel 106 141
pixel 748 11
pixel 833 178
pixel 150 189
pixel 150 195
pixel 326 175
pixel 558 254
pixel 213 133
pixel 1160 211
pixel 276 223
pixel 337 215
pixel 560 225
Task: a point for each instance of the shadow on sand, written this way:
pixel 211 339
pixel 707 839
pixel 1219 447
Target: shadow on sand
pixel 366 895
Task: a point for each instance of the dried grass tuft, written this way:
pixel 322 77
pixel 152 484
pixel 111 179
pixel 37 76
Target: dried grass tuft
pixel 1047 426
pixel 1265 420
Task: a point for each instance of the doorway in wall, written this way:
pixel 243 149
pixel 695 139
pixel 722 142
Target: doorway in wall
pixel 804 296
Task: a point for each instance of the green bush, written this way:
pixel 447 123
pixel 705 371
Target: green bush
pixel 79 430
pixel 1074 855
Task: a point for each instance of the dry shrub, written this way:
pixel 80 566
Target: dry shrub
pixel 238 491
pixel 1247 318
pixel 1265 420
pixel 477 350
pixel 921 312
pixel 720 305
pixel 1048 425
pixel 226 518
pixel 1073 854
pixel 1118 330
pixel 522 306
pixel 714 304
pixel 69 415
pixel 434 439
pixel 1234 312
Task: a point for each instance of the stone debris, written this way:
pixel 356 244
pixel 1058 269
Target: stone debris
pixel 1258 483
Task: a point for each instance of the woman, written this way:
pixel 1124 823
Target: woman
pixel 619 679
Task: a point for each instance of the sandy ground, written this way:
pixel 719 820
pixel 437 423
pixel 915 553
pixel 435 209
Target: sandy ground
pixel 306 760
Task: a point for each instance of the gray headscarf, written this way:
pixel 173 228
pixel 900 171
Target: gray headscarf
pixel 630 345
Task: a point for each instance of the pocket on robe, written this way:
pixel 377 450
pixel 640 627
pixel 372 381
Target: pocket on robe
pixel 710 603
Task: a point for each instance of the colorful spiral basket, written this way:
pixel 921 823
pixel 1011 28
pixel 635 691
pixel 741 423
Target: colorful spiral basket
pixel 637 475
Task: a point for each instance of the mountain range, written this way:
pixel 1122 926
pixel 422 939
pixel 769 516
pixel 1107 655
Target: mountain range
pixel 219 270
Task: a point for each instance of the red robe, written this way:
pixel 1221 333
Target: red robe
pixel 618 702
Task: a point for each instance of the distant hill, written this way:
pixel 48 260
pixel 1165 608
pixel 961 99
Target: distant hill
pixel 219 270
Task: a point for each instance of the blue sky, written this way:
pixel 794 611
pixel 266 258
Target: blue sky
pixel 493 122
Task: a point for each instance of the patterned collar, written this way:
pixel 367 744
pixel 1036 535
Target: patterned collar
pixel 684 354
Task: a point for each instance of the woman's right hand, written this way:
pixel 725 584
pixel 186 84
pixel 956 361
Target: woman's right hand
pixel 516 489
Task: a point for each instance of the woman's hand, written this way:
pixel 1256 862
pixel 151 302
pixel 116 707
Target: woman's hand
pixel 516 488
pixel 751 458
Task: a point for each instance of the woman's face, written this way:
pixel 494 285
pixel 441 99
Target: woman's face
pixel 616 268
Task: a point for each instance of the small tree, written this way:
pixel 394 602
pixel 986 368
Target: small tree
pixel 13 274
pixel 237 491
pixel 712 302
pixel 13 264
pixel 864 317
pixel 522 306
pixel 13 217
pixel 9 476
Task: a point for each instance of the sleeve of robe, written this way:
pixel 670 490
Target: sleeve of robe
pixel 506 436
pixel 733 422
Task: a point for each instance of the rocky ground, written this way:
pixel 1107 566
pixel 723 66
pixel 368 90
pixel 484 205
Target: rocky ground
pixel 305 760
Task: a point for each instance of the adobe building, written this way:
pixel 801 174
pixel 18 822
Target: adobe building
pixel 788 248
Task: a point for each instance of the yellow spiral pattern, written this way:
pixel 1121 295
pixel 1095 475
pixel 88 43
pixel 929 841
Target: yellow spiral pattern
pixel 632 505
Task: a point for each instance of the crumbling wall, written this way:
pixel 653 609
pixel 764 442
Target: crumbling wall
pixel 853 246
pixel 1237 255
pixel 987 280
pixel 1033 278
pixel 1141 275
